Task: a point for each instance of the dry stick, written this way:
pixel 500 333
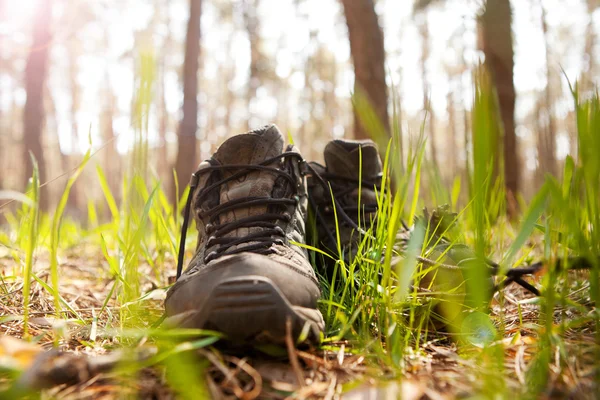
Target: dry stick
pixel 292 353
pixel 307 356
pixel 230 380
pixel 427 261
pixel 331 388
pixel 516 274
pixel 253 373
pixel 214 389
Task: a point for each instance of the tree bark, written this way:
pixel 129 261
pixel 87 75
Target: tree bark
pixel 112 161
pixel 251 22
pixel 452 148
pixel 368 55
pixel 548 135
pixel 308 97
pixel 35 77
pixel 539 146
pixel 399 117
pixel 186 162
pixel 163 124
pixel 3 131
pixel 424 31
pixel 468 153
pixel 229 95
pixel 588 50
pixel 72 160
pixel 496 23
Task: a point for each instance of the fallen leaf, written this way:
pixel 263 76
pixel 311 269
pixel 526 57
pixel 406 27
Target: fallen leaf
pixel 16 353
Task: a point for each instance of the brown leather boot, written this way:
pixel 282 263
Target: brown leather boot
pixel 248 278
pixel 345 187
pixel 350 181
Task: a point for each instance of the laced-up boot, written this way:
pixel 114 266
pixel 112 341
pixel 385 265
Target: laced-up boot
pixel 346 189
pixel 248 277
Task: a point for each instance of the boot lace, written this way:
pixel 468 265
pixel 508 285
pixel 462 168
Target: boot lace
pixel 257 242
pixel 341 187
pixel 261 241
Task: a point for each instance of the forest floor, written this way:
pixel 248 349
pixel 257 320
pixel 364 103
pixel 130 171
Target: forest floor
pixel 81 301
pixel 91 363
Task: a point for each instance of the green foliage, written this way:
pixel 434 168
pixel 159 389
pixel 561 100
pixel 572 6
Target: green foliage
pixel 373 301
pixel 31 221
pixel 572 228
pixel 373 305
pixel 55 233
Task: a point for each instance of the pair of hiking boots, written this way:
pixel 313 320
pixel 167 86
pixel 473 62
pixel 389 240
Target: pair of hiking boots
pixel 250 277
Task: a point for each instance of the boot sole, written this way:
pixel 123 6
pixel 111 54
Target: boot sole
pixel 252 309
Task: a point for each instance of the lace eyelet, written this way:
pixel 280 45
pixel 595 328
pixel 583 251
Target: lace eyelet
pixel 287 216
pixel 279 230
pixel 211 256
pixel 208 228
pixel 210 239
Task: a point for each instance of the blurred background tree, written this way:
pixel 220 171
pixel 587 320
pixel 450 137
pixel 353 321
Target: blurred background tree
pixel 69 73
pixel 497 46
pixel 186 141
pixel 368 56
pixel 36 69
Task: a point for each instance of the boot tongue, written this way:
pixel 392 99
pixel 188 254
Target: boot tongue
pixel 253 147
pixel 342 157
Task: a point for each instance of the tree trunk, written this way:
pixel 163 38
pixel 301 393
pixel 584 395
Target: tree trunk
pixel 589 64
pixel 112 161
pixel 548 135
pixel 4 132
pixel 424 31
pixel 399 117
pixel 54 157
pixel 466 132
pixel 186 162
pixel 3 146
pixel 73 52
pixel 163 125
pixel 252 28
pixel 496 22
pixel 13 137
pixel 452 148
pixel 35 78
pixel 539 143
pixel 308 96
pixel 230 97
pixel 368 55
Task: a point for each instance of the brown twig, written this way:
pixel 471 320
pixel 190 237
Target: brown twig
pixel 252 373
pixel 291 349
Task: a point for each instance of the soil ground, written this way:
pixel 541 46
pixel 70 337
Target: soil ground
pixel 438 370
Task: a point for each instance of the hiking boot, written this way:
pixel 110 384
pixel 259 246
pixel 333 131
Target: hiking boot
pixel 345 188
pixel 350 181
pixel 248 278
